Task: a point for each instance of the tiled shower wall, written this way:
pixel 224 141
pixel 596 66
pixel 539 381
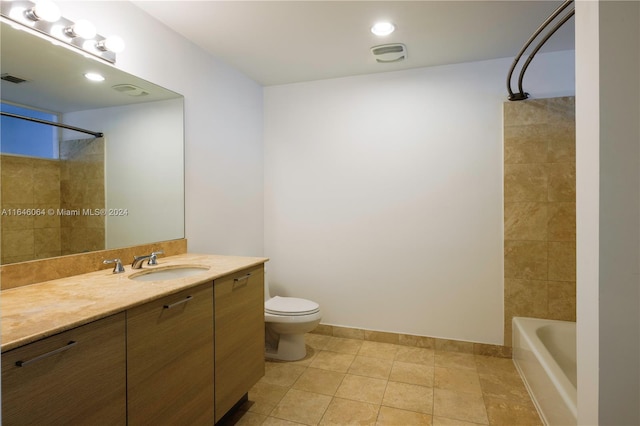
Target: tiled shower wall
pixel 74 182
pixel 539 210
pixel 29 183
pixel 82 187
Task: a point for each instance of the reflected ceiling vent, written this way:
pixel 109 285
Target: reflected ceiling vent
pixel 387 53
pixel 12 78
pixel 130 89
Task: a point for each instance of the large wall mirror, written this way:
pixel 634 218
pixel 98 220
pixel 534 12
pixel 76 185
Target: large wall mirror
pixel 66 192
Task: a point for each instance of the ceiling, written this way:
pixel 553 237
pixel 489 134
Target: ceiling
pixel 280 42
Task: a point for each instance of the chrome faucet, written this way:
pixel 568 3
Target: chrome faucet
pixel 117 268
pixel 153 260
pixel 139 260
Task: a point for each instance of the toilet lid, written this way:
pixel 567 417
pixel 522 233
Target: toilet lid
pixel 290 306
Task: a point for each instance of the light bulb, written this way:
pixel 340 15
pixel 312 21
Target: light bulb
pixel 94 76
pixel 82 28
pixel 112 43
pixel 383 28
pixel 44 10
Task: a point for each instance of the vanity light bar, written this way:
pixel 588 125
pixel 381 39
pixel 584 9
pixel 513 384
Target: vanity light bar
pixel 23 15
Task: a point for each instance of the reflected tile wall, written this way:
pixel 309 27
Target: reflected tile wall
pixel 82 187
pixel 29 183
pixel 539 210
pixel 74 182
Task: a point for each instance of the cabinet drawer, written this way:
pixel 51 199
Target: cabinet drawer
pixel 75 377
pixel 239 336
pixel 170 359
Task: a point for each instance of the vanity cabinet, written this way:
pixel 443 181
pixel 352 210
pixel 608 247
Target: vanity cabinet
pixel 239 336
pixel 170 359
pixel 75 377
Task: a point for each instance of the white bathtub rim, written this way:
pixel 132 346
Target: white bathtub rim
pixel 548 364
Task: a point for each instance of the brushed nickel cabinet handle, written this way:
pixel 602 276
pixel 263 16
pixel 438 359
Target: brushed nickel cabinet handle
pixel 45 355
pixel 241 282
pixel 173 305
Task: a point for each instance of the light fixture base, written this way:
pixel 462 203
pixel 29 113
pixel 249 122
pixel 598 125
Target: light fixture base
pixel 53 30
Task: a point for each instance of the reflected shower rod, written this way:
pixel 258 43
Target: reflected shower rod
pixel 53 123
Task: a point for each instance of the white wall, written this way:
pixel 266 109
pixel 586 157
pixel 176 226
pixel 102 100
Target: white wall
pixel 144 171
pixel 223 125
pixel 383 195
pixel 608 167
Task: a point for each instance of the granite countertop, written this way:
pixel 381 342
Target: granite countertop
pixel 35 311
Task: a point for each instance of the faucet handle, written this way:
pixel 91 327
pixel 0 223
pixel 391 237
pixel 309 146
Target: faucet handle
pixel 153 259
pixel 117 268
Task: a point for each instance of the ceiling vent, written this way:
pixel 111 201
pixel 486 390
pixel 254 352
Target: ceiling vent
pixel 12 78
pixel 130 89
pixel 387 53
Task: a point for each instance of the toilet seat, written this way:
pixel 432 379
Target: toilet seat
pixel 290 306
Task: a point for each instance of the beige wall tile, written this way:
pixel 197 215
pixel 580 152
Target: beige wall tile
pixel 381 336
pixel 454 346
pixel 13 220
pixel 525 144
pixel 342 345
pixel 562 182
pixel 562 261
pixel 18 243
pixel 525 259
pixel 497 351
pixel 562 221
pixel 532 111
pixel 418 341
pixel 525 221
pixel 561 145
pixel 349 333
pixel 327 330
pixel 562 300
pixel 46 240
pixel 526 298
pixel 525 182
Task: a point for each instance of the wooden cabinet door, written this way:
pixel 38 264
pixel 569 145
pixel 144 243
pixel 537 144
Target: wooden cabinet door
pixel 170 360
pixel 75 377
pixel 239 336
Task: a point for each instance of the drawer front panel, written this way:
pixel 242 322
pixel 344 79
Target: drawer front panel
pixel 75 377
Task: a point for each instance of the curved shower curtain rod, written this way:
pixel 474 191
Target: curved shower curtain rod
pixel 521 95
pixel 53 123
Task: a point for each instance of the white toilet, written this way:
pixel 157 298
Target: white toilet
pixel 287 319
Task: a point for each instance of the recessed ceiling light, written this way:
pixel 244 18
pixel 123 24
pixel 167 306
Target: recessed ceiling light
pixel 383 28
pixel 93 76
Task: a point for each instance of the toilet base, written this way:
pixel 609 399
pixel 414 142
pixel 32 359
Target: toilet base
pixel 284 347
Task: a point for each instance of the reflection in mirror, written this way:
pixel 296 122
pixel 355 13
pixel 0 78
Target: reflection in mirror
pixel 67 192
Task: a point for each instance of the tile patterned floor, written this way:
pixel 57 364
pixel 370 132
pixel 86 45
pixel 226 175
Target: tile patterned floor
pixel 346 381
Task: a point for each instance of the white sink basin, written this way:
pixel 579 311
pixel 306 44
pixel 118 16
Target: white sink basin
pixel 168 273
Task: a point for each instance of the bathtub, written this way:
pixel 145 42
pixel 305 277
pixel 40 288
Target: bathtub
pixel 544 352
